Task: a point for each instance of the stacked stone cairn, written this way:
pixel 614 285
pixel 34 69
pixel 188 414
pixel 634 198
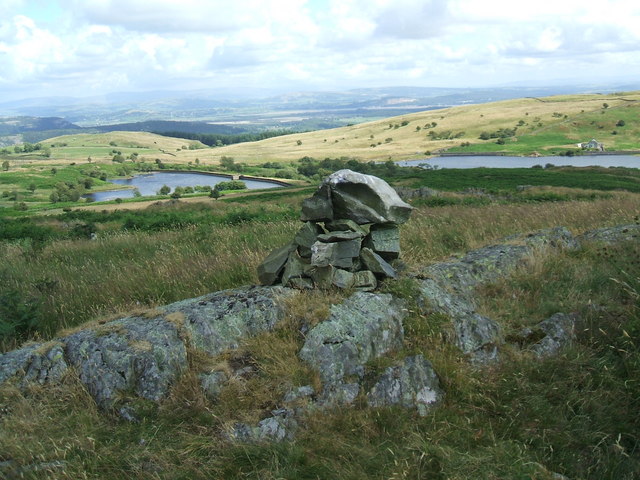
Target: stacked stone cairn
pixel 350 238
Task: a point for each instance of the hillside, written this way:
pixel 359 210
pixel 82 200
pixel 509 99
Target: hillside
pixel 570 414
pixel 544 125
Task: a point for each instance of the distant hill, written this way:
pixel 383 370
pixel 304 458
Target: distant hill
pixel 22 124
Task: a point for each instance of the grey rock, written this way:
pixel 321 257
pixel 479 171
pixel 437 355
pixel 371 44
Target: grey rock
pixel 376 264
pixel 279 427
pixel 39 363
pixel 220 320
pixel 307 236
pixel 474 334
pixel 556 237
pixel 611 235
pixel 339 236
pixel 212 383
pixel 138 355
pixel 296 267
pixel 384 240
pixel 338 254
pixel 346 224
pixel 363 327
pixel 270 269
pixel 365 280
pixel 343 279
pixel 551 335
pixel 300 283
pixel 129 413
pixel 338 394
pixel 323 277
pixel 303 392
pixel 412 384
pixel 365 199
pixel 319 207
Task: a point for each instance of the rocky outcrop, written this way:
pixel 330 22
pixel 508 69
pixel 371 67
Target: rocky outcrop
pixel 143 355
pixel 611 235
pixel 349 236
pixel 449 287
pixel 363 327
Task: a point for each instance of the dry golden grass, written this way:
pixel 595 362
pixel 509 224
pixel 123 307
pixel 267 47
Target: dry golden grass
pixel 406 142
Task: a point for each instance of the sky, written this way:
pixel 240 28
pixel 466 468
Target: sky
pixel 92 47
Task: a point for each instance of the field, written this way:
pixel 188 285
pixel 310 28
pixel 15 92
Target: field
pixel 521 419
pixel 573 414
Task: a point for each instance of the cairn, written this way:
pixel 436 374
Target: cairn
pixel 350 237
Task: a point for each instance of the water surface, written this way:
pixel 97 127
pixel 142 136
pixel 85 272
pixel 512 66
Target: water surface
pixel 150 183
pixel 494 161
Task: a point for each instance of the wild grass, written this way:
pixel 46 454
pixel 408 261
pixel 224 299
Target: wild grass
pixel 573 414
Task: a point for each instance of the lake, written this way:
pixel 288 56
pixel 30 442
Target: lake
pixel 494 161
pixel 150 183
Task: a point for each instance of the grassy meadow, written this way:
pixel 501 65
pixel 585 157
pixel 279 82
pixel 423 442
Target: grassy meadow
pixel 524 418
pixel 573 414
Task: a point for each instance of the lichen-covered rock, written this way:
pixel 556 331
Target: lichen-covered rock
pixel 219 321
pixel 39 363
pixel 549 336
pixel 363 327
pixel 365 281
pixel 279 427
pixel 338 394
pixel 611 235
pixel 132 354
pixel 474 334
pixel 412 384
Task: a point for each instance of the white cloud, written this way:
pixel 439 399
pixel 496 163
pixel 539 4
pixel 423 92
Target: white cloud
pixel 133 44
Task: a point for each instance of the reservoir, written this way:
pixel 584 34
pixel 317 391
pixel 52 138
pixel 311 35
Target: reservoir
pixel 150 183
pixel 497 161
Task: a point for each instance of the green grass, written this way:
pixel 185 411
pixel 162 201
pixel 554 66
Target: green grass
pixel 507 179
pixel 572 414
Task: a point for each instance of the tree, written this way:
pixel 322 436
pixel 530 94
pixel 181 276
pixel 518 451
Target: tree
pixel 227 162
pixel 32 187
pixel 215 194
pixel 605 105
pixel 5 165
pixel 164 190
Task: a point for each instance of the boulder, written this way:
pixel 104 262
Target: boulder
pixel 319 207
pixel 363 327
pixel 41 363
pixel 611 235
pixel 549 336
pixel 221 320
pixel 358 197
pixel 139 355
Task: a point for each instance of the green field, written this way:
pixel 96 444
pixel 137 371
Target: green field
pixel 574 414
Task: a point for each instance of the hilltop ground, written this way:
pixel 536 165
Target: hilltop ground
pixel 574 414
